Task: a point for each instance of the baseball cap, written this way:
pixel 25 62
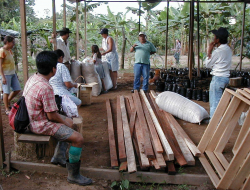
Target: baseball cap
pixel 104 31
pixel 221 32
pixel 142 33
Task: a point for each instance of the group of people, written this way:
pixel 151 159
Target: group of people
pixel 53 77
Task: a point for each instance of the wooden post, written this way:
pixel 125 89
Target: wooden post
pixel 24 40
pixel 77 32
pixel 198 37
pixel 64 13
pixel 191 38
pixel 242 34
pixel 54 23
pixel 166 44
pixel 85 27
pixel 2 152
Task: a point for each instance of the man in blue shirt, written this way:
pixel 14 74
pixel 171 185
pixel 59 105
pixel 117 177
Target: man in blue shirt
pixel 143 49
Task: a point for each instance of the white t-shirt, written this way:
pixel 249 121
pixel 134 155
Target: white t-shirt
pixel 57 81
pixel 220 61
pixel 98 60
pixel 65 48
pixel 105 44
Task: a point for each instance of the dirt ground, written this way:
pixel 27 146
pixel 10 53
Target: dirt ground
pixel 96 149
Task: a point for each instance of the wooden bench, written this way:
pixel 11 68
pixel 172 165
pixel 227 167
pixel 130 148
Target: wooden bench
pixel 44 145
pixel 28 145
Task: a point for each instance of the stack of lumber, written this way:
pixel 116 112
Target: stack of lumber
pixel 146 135
pixel 228 173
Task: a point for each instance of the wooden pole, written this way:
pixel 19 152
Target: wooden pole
pixel 54 23
pixel 166 45
pixel 2 152
pixel 85 27
pixel 139 16
pixel 64 13
pixel 77 32
pixel 198 37
pixel 24 40
pixel 242 34
pixel 191 38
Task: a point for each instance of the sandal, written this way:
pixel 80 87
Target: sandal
pixel 7 112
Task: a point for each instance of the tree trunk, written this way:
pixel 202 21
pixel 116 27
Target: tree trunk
pixel 123 49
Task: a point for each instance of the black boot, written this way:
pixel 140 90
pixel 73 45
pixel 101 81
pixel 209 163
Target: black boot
pixel 74 175
pixel 60 154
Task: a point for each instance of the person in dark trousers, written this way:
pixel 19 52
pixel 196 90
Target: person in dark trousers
pixel 143 49
pixel 45 120
pixel 219 56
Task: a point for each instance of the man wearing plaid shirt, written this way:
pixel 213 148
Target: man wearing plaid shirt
pixel 44 119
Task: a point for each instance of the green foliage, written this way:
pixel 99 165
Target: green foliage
pixel 202 57
pixel 124 184
pixel 5 174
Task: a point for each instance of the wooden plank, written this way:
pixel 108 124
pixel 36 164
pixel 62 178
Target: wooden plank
pixel 2 151
pixel 244 93
pixel 247 90
pixel 168 133
pixel 246 185
pixel 210 171
pixel 123 166
pixel 77 32
pixel 115 175
pixel 223 123
pixel 236 162
pixel 33 138
pixel 142 158
pixel 183 146
pixel 152 92
pixel 221 108
pixel 155 164
pixel 112 144
pixel 192 147
pixel 165 144
pixel 147 143
pixel 242 174
pixel 127 138
pixel 227 134
pixel 238 96
pixel 120 137
pixel 153 133
pixel 133 115
pixel 171 168
pixel 217 165
pixel 242 133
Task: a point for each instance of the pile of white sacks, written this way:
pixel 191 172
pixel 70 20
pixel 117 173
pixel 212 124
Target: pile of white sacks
pixel 86 68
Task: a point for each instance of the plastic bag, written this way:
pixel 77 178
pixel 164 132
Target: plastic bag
pixel 69 107
pixel 181 107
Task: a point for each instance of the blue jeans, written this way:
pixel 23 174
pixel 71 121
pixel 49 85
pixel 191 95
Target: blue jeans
pixel 141 69
pixel 217 86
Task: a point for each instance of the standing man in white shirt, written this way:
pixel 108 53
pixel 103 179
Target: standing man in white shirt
pixel 220 62
pixel 111 55
pixel 63 44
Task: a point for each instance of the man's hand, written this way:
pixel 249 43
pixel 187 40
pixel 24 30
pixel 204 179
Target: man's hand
pixel 210 49
pixel 133 47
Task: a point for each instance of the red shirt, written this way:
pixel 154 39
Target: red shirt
pixel 40 99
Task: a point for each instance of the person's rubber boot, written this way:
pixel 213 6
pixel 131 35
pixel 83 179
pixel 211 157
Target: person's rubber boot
pixel 60 154
pixel 74 175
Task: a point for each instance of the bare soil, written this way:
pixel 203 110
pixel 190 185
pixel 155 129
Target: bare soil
pixel 96 148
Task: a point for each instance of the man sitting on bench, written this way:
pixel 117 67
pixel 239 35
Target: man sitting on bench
pixel 45 120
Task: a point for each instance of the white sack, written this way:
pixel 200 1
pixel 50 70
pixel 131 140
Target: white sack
pixel 90 75
pixel 69 107
pixel 76 71
pixel 181 107
pixel 107 80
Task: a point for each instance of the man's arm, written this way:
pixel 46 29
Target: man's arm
pixel 1 71
pixel 210 49
pixel 133 47
pixel 110 43
pixel 55 117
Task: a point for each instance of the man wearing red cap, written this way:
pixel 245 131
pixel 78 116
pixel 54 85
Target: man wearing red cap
pixel 220 62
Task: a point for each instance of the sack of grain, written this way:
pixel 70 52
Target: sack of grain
pixel 181 107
